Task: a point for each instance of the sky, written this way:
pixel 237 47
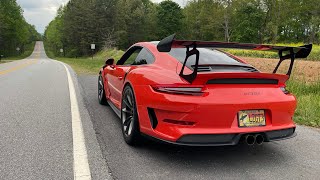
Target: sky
pixel 41 12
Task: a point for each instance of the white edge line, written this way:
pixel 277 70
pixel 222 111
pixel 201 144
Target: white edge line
pixel 81 169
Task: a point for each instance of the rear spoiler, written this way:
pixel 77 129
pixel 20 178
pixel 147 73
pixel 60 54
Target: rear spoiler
pixel 285 52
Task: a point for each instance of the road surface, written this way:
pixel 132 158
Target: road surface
pixel 37 137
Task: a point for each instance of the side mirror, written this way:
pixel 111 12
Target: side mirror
pixel 109 61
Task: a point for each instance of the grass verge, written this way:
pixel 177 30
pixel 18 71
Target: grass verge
pixel 4 61
pixel 28 51
pixel 308 96
pixel 89 65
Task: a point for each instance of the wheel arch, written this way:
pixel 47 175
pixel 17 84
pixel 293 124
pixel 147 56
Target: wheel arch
pixel 135 88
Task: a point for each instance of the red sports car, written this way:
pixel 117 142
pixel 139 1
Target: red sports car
pixel 190 93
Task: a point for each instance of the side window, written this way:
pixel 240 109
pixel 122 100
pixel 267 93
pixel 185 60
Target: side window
pixel 144 57
pixel 132 57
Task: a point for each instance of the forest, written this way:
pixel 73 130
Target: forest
pixel 120 23
pixel 15 32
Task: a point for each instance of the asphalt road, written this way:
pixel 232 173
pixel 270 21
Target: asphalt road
pixel 297 158
pixel 36 135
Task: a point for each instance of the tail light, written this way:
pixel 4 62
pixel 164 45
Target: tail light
pixel 183 90
pixel 284 90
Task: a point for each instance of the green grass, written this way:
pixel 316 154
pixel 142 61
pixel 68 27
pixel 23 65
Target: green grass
pixel 314 56
pixel 84 65
pixel 4 61
pixel 89 65
pixel 28 51
pixel 308 96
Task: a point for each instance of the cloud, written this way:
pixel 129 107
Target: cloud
pixel 182 3
pixel 41 12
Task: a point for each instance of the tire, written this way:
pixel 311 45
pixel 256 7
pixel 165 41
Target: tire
pixel 129 117
pixel 101 93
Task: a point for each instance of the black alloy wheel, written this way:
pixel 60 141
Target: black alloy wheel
pixel 129 117
pixel 101 93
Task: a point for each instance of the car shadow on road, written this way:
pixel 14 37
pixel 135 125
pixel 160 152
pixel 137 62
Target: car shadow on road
pixel 267 153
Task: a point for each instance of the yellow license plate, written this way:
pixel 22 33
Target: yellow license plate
pixel 251 118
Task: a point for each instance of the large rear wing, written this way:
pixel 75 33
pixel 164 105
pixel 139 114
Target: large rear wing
pixel 285 52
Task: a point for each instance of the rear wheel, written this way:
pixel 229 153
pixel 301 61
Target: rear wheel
pixel 101 94
pixel 129 117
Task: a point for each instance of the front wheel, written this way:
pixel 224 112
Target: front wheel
pixel 101 93
pixel 129 117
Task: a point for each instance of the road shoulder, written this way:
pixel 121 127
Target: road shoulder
pixel 97 163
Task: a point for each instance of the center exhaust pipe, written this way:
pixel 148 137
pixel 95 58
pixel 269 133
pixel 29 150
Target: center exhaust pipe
pixel 250 139
pixel 259 139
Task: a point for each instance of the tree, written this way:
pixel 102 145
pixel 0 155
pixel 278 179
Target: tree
pixel 169 18
pixel 14 30
pixel 248 25
pixel 121 23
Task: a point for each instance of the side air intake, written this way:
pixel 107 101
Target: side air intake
pixel 153 118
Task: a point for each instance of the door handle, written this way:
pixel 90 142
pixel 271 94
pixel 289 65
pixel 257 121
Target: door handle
pixel 120 77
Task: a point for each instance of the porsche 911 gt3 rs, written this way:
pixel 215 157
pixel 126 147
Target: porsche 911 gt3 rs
pixel 191 93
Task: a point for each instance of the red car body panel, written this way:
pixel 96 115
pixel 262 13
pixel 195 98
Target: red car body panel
pixel 212 113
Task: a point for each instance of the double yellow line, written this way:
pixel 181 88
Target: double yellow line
pixel 20 66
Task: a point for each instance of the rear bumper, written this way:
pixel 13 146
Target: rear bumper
pixel 212 119
pixel 227 139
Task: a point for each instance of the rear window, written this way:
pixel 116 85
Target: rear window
pixel 207 57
